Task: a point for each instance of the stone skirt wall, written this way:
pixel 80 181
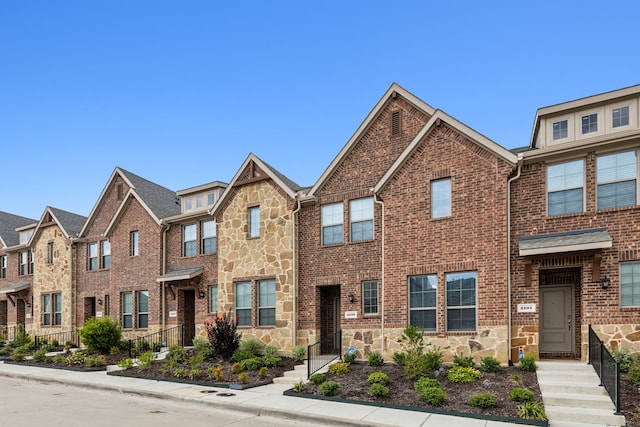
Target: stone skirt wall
pixel 615 337
pixel 525 337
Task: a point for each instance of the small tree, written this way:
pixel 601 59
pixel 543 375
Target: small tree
pixel 101 334
pixel 223 336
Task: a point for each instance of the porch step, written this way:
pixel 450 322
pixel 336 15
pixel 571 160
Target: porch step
pixel 298 374
pixel 573 397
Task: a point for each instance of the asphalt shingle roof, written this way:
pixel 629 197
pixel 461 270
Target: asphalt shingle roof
pixel 8 225
pixel 72 223
pixel 163 202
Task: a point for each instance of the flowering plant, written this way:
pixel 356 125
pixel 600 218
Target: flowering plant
pixel 223 336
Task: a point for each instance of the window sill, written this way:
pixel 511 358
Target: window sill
pixel 441 218
pixel 361 241
pixel 332 245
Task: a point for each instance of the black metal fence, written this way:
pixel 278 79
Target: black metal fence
pixel 317 358
pixel 58 339
pixel 8 333
pixel 607 368
pixel 157 342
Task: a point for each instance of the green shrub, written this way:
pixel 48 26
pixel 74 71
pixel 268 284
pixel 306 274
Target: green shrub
pixel 177 354
pixel 399 357
pixel 60 358
pixel 463 361
pixel 143 346
pixel 339 368
pixel 96 361
pixel 115 350
pixel 375 359
pixel 377 389
pixel 263 372
pixel 430 391
pixel 180 372
pixel 251 345
pixel 458 374
pixel 100 334
pixel 126 363
pixel 236 368
pixel 202 347
pixel 532 411
pixel 521 395
pixel 299 386
pixel 252 364
pixel 243 377
pixel 240 355
pixel 634 373
pixel 26 348
pixel 21 338
pixel 299 353
pixel 349 358
pixel 76 358
pixel 528 363
pixel 41 355
pixel 516 378
pixel 270 350
pixel 223 336
pixel 318 378
pixel 146 360
pixel 329 388
pixel 489 364
pixel 483 400
pixel 17 356
pixel 156 347
pixel 422 365
pixel 378 378
pixel 196 359
pixel 624 357
pixel 271 361
pixel 216 373
pixel 194 373
pixel 5 351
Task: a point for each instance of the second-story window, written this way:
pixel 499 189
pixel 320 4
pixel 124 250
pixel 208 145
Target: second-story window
pixel 209 240
pixel 93 257
pixel 23 261
pixel 619 117
pixel 189 240
pixel 50 254
pixel 133 243
pixel 590 123
pixel 361 216
pixel 441 198
pixel 565 188
pixel 254 221
pixel 105 254
pixel 616 174
pixel 560 129
pixel 3 267
pixel 32 256
pixel 332 224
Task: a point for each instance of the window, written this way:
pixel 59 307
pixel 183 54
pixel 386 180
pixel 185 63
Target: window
pixel 189 239
pixel 243 303
pixel 620 117
pixel 133 243
pixel 370 297
pixel 31 261
pixel 565 183
pixel 422 301
pixel 254 221
pixel 3 267
pixel 361 215
pixel 590 123
pixel 332 224
pixel 209 240
pixel 93 256
pixel 616 174
pixel 200 201
pixel 127 310
pixel 46 309
pixel 211 199
pixel 461 301
pixel 107 305
pixel 22 263
pixel 142 300
pixel 188 204
pixel 24 236
pixel 213 299
pixel 50 255
pixel 630 284
pixel 105 253
pixel 441 198
pixel 57 309
pixel 560 130
pixel 267 302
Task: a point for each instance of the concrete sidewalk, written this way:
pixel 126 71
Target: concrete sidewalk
pixel 264 400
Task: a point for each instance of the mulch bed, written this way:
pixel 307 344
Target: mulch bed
pixel 630 401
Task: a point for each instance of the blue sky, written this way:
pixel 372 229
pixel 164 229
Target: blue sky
pixel 179 92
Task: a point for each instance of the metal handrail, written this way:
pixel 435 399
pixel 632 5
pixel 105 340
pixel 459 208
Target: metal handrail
pixel 157 342
pixel 62 337
pixel 316 360
pixel 607 368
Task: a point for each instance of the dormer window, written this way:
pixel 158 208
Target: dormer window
pixel 620 117
pixel 25 236
pixel 560 129
pixel 590 123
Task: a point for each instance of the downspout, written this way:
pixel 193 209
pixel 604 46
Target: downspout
pixel 382 337
pixel 163 283
pixel 73 281
pixel 294 245
pixel 519 166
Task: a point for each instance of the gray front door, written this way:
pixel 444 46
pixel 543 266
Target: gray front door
pixel 556 319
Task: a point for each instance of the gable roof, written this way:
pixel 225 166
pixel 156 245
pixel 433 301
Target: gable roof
pixel 438 117
pixel 9 236
pixel 393 91
pixel 69 222
pixel 290 187
pixel 159 201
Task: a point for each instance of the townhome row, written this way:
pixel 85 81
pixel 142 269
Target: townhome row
pixel 419 220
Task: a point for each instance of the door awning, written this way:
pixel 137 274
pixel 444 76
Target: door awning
pixel 570 241
pixel 16 287
pixel 185 273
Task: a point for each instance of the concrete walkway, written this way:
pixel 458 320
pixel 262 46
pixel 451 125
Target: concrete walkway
pixel 573 397
pixel 265 400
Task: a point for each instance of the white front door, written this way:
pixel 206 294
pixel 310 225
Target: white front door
pixel 556 319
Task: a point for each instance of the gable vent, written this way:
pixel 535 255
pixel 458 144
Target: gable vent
pixel 395 123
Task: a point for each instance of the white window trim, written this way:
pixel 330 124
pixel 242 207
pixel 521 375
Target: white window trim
pixel 260 306
pixel 446 307
pixel 637 178
pixel 371 219
pixel 324 225
pixel 435 308
pixel 377 312
pixel 584 185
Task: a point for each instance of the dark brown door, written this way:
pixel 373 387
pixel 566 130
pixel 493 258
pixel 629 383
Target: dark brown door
pixel 189 316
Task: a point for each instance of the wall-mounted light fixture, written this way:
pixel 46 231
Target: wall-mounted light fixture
pixel 352 298
pixel 605 282
pixel 28 304
pixel 99 301
pixel 202 294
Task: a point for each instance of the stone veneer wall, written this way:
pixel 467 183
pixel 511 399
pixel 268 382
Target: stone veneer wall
pixel 525 336
pixel 52 278
pixel 252 259
pixel 622 336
